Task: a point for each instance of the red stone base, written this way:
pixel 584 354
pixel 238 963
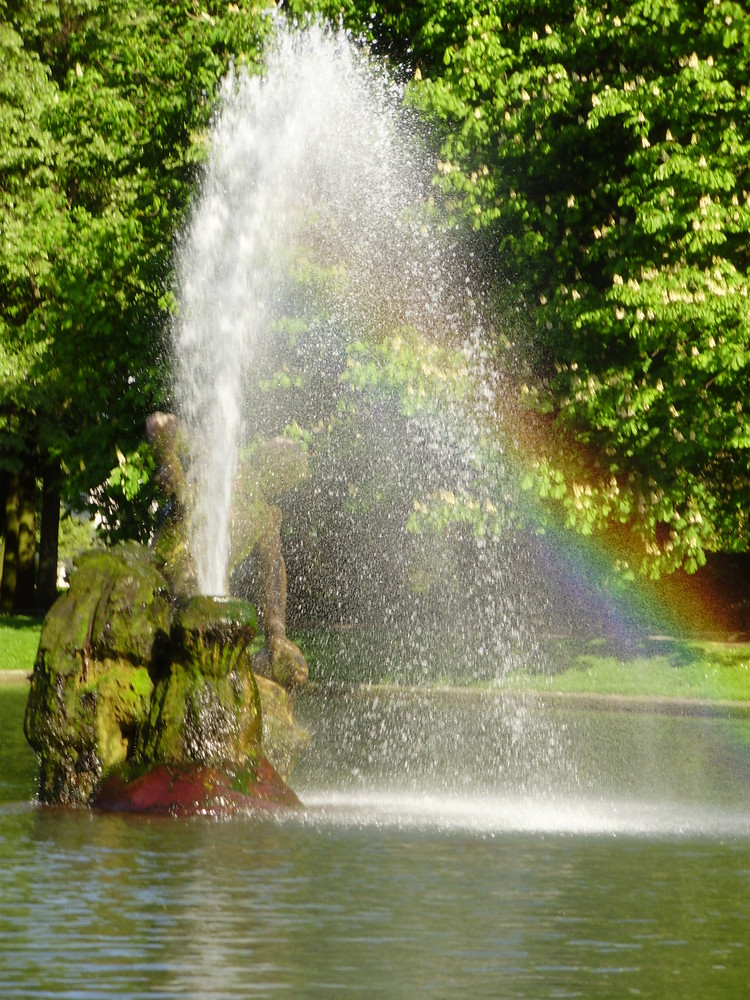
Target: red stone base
pixel 194 790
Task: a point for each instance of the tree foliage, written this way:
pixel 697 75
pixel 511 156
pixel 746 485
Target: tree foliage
pixel 103 117
pixel 602 149
pixel 599 150
pixel 606 147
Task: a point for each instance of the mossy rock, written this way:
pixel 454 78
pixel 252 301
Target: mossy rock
pixel 173 556
pixel 284 738
pixel 60 724
pixel 80 726
pixel 117 606
pixel 126 681
pixel 211 634
pixel 91 687
pixel 204 718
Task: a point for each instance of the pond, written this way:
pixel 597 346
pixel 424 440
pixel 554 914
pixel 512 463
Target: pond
pixel 450 847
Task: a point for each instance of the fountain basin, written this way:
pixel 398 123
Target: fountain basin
pixel 431 895
pixel 196 790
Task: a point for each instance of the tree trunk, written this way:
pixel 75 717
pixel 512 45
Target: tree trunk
pixel 46 586
pixel 25 596
pixel 4 483
pixel 10 554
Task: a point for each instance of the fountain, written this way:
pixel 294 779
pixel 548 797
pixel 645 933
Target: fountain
pixel 456 838
pixel 324 301
pixel 328 360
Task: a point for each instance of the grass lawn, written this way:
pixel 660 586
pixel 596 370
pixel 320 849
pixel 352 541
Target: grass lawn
pixel 645 667
pixel 655 668
pixel 19 638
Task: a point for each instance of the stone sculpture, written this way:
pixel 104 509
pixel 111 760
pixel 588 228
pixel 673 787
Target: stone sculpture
pixel 132 684
pixel 146 695
pixel 264 475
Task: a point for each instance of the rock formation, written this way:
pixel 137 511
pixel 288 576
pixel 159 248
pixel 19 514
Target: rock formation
pixel 142 696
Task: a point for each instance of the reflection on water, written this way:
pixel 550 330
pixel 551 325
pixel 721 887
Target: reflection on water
pixel 18 772
pixel 503 814
pixel 366 895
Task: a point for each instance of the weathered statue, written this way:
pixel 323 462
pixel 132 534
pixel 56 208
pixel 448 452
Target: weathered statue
pixel 164 436
pixel 265 473
pixel 144 697
pixel 143 700
pixel 167 442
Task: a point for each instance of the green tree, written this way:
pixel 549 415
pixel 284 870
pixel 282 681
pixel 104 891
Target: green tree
pixel 30 213
pixel 601 152
pixel 605 147
pixel 104 111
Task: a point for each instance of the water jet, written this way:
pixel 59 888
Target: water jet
pixel 457 836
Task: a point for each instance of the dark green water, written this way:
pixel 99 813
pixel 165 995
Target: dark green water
pixel 398 889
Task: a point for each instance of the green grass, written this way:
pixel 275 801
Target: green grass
pixel 653 668
pixel 647 667
pixel 19 638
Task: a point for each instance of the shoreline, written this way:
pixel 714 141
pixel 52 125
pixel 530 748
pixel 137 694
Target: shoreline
pixel 15 677
pixel 586 701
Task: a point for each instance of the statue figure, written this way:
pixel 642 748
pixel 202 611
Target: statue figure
pixel 265 472
pixel 166 438
pixel 268 471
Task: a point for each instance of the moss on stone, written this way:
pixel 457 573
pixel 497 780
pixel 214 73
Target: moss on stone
pixel 283 737
pixel 210 634
pixel 133 605
pixel 123 699
pixel 60 724
pixel 91 687
pixel 80 725
pixel 223 616
pixel 118 689
pixel 203 718
pixel 116 606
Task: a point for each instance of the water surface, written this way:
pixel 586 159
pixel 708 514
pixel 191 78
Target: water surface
pixel 378 891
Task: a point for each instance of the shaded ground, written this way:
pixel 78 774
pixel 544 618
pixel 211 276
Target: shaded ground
pixel 650 667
